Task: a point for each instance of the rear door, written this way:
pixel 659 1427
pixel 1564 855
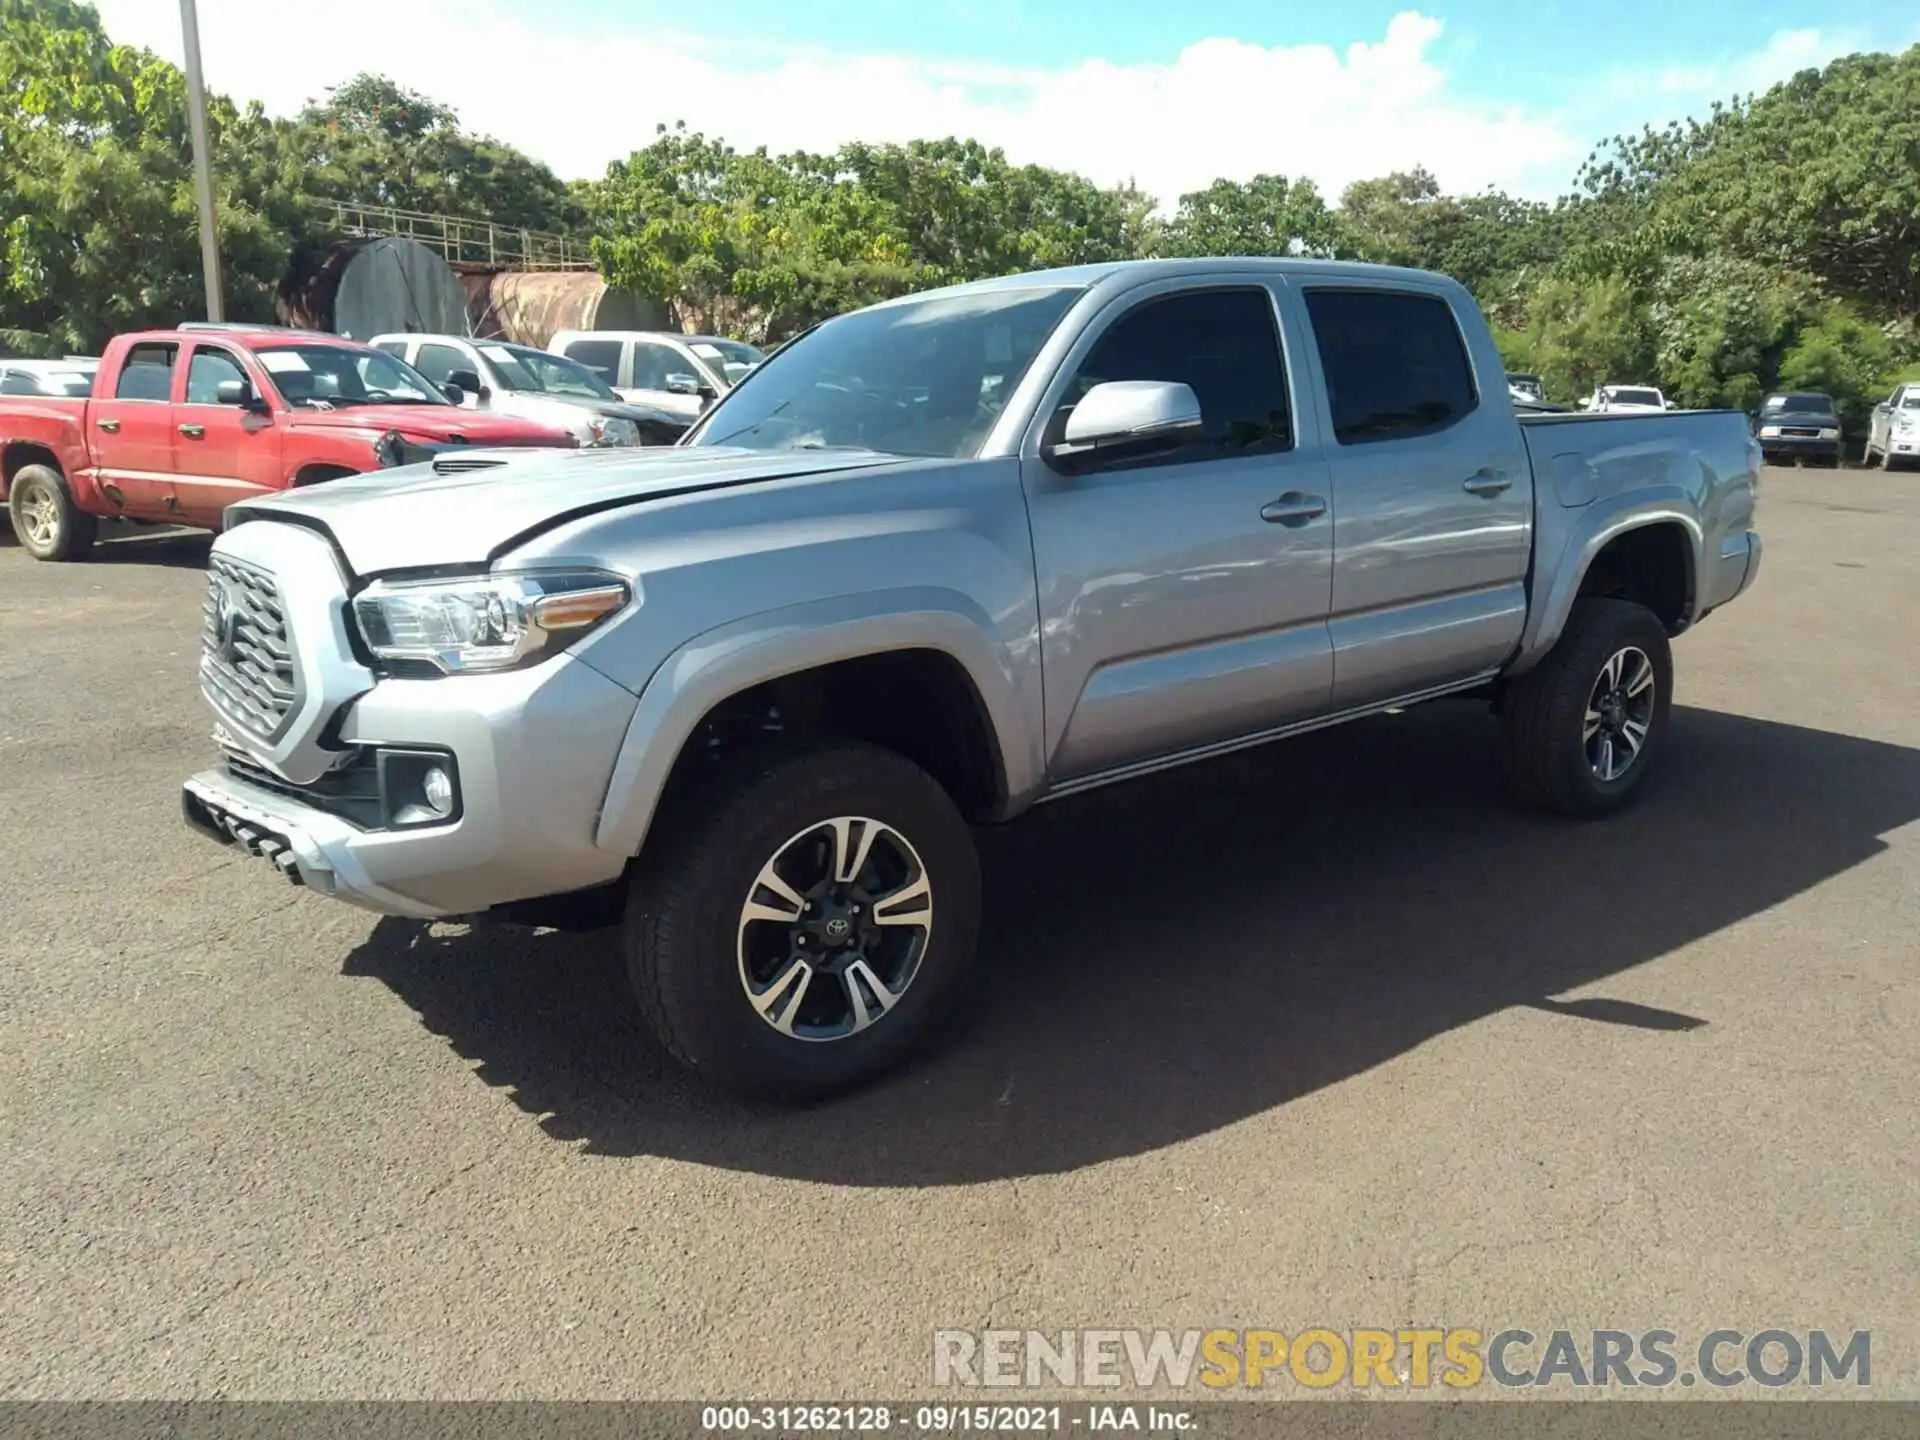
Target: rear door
pixel 131 432
pixel 1432 493
pixel 222 453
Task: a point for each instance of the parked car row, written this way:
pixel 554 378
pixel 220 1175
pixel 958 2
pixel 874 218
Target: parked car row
pixel 173 426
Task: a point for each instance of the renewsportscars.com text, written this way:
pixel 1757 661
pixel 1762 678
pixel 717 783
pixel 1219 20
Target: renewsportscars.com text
pixel 1458 1359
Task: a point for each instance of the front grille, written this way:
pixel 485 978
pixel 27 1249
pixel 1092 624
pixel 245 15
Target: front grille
pixel 351 791
pixel 247 665
pixel 1802 434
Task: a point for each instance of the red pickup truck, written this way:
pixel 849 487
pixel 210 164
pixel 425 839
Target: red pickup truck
pixel 183 423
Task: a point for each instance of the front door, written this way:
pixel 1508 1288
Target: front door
pixel 132 434
pixel 1174 614
pixel 222 453
pixel 1432 494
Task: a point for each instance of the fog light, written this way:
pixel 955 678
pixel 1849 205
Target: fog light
pixel 419 787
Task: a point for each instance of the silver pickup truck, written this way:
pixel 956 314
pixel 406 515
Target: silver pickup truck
pixel 936 562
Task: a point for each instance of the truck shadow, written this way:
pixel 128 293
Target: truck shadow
pixel 1163 959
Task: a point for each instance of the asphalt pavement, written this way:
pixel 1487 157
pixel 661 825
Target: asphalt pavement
pixel 1326 1034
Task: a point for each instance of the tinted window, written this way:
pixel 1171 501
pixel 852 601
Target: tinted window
pixel 1222 343
pixel 396 348
pixel 1803 404
pixel 14 382
pixel 1395 364
pixel 602 357
pixel 147 375
pixel 437 362
pixel 653 363
pixel 207 372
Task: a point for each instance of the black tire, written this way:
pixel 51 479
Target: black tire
pixel 1544 712
pixel 684 949
pixel 48 525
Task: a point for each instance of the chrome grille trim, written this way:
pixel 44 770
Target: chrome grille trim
pixel 247 669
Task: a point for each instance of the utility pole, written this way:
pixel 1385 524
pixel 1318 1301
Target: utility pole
pixel 202 160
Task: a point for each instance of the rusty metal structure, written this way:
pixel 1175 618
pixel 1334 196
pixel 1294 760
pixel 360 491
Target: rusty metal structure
pixel 530 307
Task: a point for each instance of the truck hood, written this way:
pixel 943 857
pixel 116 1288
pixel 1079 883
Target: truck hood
pixel 468 508
pixel 436 423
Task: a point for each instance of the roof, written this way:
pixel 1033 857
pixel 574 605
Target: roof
pixel 1124 272
pixel 248 337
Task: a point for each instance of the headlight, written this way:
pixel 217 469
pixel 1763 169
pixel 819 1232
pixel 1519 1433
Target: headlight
pixel 1829 433
pixel 486 622
pixel 1769 431
pixel 612 430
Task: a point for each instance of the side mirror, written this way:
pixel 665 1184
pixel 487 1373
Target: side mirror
pixel 461 383
pixel 1126 418
pixel 240 393
pixel 683 384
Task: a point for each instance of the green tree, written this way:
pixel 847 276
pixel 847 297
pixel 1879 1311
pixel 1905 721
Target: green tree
pixel 1267 215
pixel 1585 333
pixel 98 223
pixel 373 142
pixel 1842 355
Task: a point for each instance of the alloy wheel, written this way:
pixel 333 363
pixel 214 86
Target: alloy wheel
pixel 1619 713
pixel 834 928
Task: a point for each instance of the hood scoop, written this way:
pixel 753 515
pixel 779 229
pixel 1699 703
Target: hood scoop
pixel 463 464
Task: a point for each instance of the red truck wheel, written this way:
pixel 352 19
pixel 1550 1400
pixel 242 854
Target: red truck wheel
pixel 49 525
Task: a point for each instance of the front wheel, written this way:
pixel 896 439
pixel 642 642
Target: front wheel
pixel 45 519
pixel 1582 727
pixel 806 924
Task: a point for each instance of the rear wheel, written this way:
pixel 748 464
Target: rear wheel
pixel 47 523
pixel 808 923
pixel 1583 726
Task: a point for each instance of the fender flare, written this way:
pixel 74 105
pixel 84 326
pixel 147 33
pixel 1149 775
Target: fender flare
pixel 737 656
pixel 1600 524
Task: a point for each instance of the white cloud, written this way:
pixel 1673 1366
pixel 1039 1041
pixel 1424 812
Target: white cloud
pixel 577 99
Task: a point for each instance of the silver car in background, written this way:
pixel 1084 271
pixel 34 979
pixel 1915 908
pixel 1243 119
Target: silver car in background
pixel 681 374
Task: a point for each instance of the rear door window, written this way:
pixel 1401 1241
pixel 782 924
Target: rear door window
pixel 148 373
pixel 1395 364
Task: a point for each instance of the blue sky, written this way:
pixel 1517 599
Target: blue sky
pixel 1483 92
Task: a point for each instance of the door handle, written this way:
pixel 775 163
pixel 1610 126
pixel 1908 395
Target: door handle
pixel 1293 508
pixel 112 427
pixel 193 432
pixel 1487 482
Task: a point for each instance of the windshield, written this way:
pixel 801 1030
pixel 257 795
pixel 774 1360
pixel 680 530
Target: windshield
pixel 536 372
pixel 731 358
pixel 1910 400
pixel 1634 397
pixel 1801 404
pixel 926 377
pixel 66 382
pixel 328 377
